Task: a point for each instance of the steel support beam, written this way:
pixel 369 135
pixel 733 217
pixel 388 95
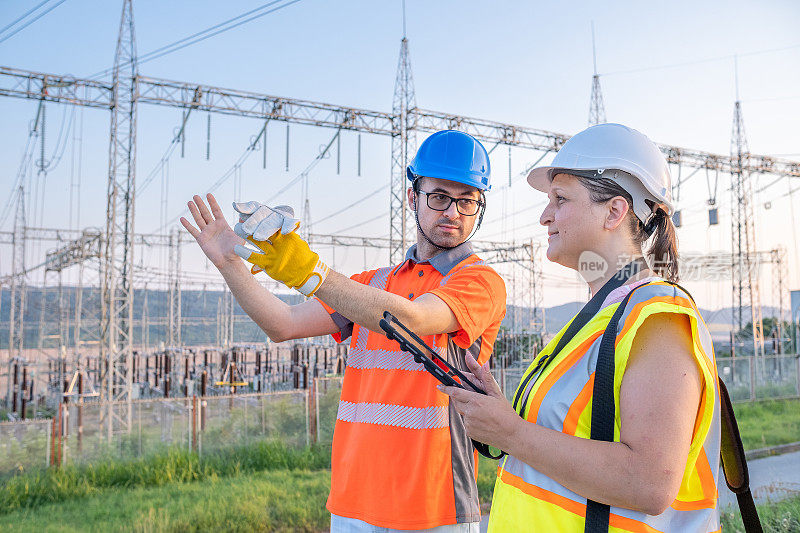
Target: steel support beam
pixel 20 83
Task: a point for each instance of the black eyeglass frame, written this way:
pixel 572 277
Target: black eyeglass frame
pixel 479 203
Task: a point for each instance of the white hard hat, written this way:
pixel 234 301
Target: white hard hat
pixel 606 149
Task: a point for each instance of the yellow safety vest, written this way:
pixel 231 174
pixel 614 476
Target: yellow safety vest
pixel 561 399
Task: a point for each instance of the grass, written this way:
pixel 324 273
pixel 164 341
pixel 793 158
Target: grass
pixel 272 500
pixel 779 517
pixel 35 489
pixel 261 501
pixel 487 473
pixel 768 423
pixel 269 486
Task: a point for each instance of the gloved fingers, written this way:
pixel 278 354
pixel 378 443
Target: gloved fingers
pixel 242 252
pixel 255 219
pixel 285 210
pixel 249 255
pixel 246 208
pixel 289 225
pixel 268 227
pixel 237 229
pixel 266 245
pixel 255 269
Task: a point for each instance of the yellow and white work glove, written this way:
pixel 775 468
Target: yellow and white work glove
pixel 274 247
pixel 261 222
pixel 288 259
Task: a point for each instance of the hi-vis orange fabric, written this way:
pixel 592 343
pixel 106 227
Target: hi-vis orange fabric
pixel 401 457
pixel 561 399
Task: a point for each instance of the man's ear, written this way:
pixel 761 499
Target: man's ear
pixel 412 199
pixel 618 208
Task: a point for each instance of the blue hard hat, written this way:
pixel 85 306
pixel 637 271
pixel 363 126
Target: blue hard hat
pixel 454 156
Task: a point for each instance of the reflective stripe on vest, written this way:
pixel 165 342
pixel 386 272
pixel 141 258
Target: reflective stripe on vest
pixel 363 358
pixel 394 415
pixel 561 400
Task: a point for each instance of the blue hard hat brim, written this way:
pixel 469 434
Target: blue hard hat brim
pixel 444 173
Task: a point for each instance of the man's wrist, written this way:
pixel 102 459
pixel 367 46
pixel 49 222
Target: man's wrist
pixel 230 264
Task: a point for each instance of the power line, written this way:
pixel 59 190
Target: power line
pixel 40 15
pixel 342 210
pixel 23 16
pixel 699 61
pixel 222 179
pixel 308 169
pixel 373 219
pixel 201 35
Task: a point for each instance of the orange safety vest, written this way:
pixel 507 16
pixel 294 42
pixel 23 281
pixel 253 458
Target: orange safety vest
pixel 561 399
pixel 401 457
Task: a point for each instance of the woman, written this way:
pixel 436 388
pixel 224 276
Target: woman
pixel 656 467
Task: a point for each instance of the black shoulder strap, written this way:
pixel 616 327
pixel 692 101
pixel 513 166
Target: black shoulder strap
pixel 603 411
pixel 734 464
pixel 583 317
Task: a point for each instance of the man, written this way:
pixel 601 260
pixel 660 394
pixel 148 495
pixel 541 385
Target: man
pixel 401 458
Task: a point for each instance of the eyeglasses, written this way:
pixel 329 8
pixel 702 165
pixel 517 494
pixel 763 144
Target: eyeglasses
pixel 441 202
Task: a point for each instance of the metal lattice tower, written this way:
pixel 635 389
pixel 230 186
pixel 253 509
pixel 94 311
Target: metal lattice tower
pixel 404 109
pixel 18 287
pixel 117 257
pixel 597 109
pixel 779 275
pixel 175 319
pixel 744 269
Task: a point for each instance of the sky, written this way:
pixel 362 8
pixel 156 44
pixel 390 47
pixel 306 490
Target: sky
pixel 666 69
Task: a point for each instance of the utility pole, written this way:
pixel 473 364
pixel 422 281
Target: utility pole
pixel 743 268
pixel 597 110
pixel 404 109
pixel 117 258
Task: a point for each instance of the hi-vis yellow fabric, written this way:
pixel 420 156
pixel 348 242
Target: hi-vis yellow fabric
pixel 561 399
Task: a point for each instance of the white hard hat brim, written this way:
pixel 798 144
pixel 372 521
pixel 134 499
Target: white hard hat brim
pixel 540 178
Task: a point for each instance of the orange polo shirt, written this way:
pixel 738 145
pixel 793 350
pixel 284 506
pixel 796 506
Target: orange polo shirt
pixel 401 456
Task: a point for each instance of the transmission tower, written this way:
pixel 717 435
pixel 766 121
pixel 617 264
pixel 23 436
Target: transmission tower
pixel 597 110
pixel 779 274
pixel 404 109
pixel 117 257
pixel 744 269
pixel 175 318
pixel 18 286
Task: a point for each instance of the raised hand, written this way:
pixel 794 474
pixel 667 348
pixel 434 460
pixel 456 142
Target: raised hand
pixel 213 234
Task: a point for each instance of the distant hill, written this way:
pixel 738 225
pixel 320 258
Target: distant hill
pixel 719 321
pixel 200 305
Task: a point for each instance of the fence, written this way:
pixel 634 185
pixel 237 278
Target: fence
pixel 76 435
pixel 761 378
pixel 24 445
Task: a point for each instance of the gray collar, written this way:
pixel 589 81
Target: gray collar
pixel 445 260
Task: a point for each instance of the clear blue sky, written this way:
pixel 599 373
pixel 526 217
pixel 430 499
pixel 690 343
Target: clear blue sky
pixel 520 62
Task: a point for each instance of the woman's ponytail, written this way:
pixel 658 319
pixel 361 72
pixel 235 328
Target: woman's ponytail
pixel 663 252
